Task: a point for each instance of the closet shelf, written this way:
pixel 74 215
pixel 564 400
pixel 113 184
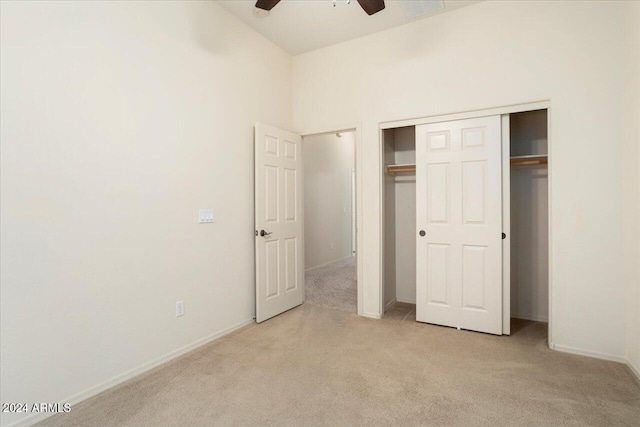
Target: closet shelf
pixel 537 159
pixel 396 169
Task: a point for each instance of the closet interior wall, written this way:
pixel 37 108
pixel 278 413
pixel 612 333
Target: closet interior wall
pixel 400 217
pixel 529 218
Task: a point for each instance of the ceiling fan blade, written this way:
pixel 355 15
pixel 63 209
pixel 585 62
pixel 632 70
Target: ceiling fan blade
pixel 266 4
pixel 372 6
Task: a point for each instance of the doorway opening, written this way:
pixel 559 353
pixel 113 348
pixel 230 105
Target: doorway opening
pixel 329 193
pixel 399 219
pixel 529 224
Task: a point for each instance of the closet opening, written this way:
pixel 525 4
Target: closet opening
pixel 529 222
pixel 465 222
pixel 399 219
pixel 329 194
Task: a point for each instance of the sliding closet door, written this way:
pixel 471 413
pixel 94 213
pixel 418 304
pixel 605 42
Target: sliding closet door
pixel 459 223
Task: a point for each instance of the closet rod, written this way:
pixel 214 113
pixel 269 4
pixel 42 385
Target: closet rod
pixel 514 161
pixel 528 160
pixel 395 169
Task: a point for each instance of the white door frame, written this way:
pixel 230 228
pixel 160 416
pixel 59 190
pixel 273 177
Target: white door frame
pixel 357 129
pixel 507 109
pixel 506 224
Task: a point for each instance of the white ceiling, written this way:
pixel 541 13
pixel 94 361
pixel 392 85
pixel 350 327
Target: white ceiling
pixel 303 25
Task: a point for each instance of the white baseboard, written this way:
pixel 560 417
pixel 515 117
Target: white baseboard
pixel 636 371
pixel 118 379
pixel 327 263
pixel 372 315
pixel 389 305
pixel 405 300
pixel 590 353
pixel 530 317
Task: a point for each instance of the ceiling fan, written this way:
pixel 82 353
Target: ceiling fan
pixel 369 6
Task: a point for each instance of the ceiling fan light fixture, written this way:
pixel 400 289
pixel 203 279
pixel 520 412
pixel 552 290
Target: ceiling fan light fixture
pixel 369 6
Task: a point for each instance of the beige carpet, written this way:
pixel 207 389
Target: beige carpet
pixel 401 311
pixel 318 366
pixel 333 286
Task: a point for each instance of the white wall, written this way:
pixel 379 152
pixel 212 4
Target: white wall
pixel 119 120
pixel 491 54
pixel 631 186
pixel 328 165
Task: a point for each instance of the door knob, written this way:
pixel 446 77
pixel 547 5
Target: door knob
pixel 422 233
pixel 264 233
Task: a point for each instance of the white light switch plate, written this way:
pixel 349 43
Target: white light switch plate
pixel 205 216
pixel 179 308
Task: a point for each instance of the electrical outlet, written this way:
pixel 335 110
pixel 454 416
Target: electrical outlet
pixel 179 308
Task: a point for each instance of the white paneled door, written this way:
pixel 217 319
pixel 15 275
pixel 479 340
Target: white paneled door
pixel 459 224
pixel 278 221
